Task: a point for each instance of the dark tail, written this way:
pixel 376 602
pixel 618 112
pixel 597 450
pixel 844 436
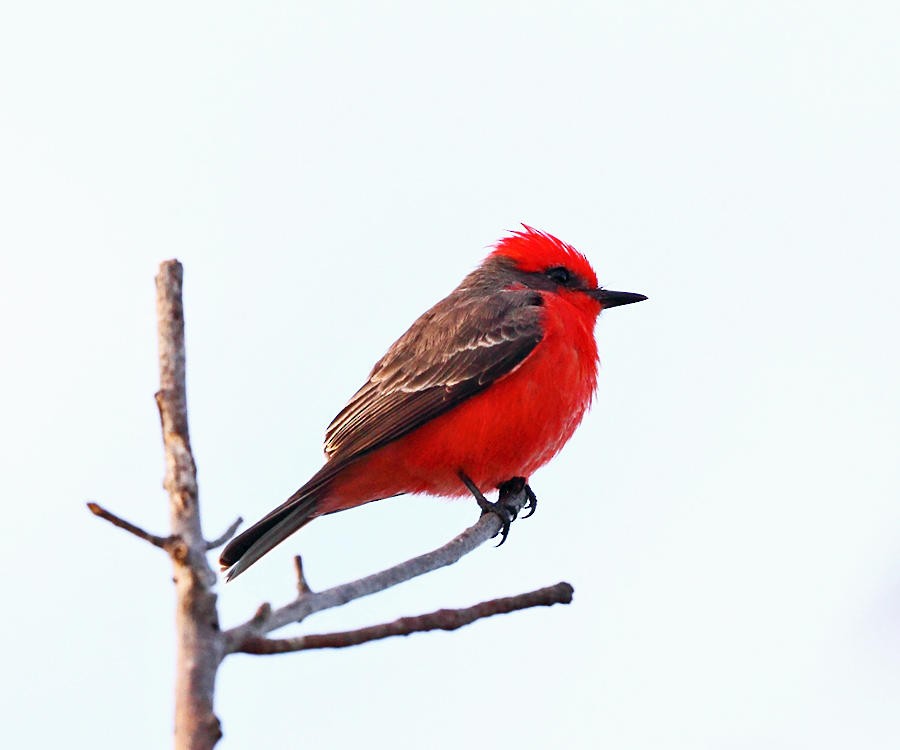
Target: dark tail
pixel 246 548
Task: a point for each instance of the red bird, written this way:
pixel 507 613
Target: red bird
pixel 481 391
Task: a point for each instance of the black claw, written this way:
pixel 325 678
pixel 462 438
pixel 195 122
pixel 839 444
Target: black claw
pixel 505 521
pixel 531 503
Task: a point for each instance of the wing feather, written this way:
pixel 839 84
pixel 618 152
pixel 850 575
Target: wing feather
pixel 455 350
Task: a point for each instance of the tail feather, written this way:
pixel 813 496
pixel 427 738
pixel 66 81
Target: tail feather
pixel 246 548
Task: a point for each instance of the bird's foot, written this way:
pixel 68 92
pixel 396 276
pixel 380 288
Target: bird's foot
pixel 513 487
pixel 506 514
pixel 503 509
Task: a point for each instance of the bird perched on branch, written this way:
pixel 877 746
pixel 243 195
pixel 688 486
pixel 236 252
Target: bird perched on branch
pixel 481 391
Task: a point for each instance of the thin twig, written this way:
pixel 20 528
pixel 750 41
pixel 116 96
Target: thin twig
pixel 162 542
pixel 442 619
pixel 263 611
pixel 306 604
pixel 302 586
pixel 226 535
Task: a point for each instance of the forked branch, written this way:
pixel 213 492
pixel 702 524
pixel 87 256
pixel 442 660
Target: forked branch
pixel 442 619
pixel 308 602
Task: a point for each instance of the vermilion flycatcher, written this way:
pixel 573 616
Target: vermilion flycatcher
pixel 482 390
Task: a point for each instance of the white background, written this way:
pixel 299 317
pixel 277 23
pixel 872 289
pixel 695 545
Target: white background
pixel 728 513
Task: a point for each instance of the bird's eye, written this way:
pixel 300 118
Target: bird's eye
pixel 559 274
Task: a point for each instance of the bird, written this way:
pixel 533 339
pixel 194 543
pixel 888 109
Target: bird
pixel 481 391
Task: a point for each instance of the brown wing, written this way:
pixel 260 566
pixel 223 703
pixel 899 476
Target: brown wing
pixel 456 349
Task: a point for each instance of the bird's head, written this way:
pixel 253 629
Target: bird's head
pixel 540 261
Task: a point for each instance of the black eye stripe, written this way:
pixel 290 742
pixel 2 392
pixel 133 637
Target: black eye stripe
pixel 559 274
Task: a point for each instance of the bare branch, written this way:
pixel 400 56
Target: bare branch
pixel 200 643
pixel 442 619
pixel 309 603
pixel 162 542
pixel 181 472
pixel 226 535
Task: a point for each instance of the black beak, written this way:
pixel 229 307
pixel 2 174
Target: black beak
pixel 613 299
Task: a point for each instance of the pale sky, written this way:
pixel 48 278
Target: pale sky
pixel 729 512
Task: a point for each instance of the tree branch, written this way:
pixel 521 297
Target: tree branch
pixel 162 542
pixel 308 603
pixel 200 644
pixel 442 619
pixel 226 535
